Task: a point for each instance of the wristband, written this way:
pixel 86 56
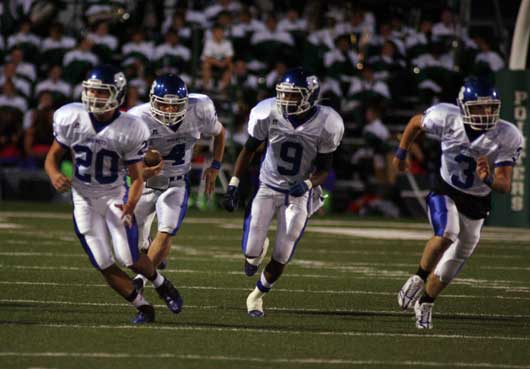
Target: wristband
pixel 216 164
pixel 401 154
pixel 309 184
pixel 234 181
pixel 489 180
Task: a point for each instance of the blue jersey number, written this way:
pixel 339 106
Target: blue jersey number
pixel 84 158
pixel 291 153
pixel 469 172
pixel 177 154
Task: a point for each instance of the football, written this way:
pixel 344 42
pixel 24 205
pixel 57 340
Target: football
pixel 152 157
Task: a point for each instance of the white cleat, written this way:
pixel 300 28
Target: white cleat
pixel 423 315
pixel 410 292
pixel 255 304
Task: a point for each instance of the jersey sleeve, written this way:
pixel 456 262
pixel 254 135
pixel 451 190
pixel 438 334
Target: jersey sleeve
pixel 434 120
pixel 210 125
pixel 511 149
pixel 258 122
pixel 61 128
pixel 331 134
pixel 136 145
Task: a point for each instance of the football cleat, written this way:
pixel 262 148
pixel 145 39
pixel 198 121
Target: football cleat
pixel 171 296
pixel 255 304
pixel 410 292
pixel 423 315
pixel 138 284
pixel 146 314
pixel 252 264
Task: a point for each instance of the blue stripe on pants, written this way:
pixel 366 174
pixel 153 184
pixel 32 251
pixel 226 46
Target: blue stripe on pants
pixel 438 213
pixel 183 209
pixel 85 245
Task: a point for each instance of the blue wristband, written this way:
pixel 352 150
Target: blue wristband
pixel 216 164
pixel 489 180
pixel 401 154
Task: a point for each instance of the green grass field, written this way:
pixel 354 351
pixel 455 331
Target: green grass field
pixel 335 306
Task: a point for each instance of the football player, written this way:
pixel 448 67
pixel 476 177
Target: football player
pixel 176 121
pixel 473 141
pixel 301 137
pixel 106 145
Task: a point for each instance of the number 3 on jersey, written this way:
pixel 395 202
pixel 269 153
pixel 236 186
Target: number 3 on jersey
pixel 290 153
pixel 469 172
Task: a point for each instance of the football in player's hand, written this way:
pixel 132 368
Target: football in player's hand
pixel 152 157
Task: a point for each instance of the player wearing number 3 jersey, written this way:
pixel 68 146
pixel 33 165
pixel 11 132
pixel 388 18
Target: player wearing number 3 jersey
pixel 301 137
pixel 106 145
pixel 473 140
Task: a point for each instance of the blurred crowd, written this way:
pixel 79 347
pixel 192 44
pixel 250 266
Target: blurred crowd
pixel 378 64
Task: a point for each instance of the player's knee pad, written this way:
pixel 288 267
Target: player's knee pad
pixel 274 270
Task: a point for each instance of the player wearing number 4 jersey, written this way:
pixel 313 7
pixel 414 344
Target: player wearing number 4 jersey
pixel 106 145
pixel 176 121
pixel 301 137
pixel 473 140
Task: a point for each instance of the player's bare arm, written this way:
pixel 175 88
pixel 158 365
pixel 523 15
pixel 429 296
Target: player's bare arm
pixel 59 181
pixel 500 180
pixel 407 138
pixel 210 174
pixel 135 191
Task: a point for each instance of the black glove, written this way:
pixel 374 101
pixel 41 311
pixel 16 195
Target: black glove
pixel 231 198
pixel 298 189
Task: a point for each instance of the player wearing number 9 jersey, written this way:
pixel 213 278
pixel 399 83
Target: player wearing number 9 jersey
pixel 473 140
pixel 301 137
pixel 106 145
pixel 176 120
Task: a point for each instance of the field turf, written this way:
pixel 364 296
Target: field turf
pixel 335 306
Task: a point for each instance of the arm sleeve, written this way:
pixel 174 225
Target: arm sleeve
pixel 510 153
pixel 60 131
pixel 433 121
pixel 331 134
pixel 252 143
pixel 208 118
pixel 324 162
pixel 136 147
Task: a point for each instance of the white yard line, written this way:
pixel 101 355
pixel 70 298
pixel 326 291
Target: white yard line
pixel 396 312
pixel 253 359
pixel 286 290
pixel 228 329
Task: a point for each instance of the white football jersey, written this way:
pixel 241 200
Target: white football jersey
pixel 502 145
pixel 100 158
pixel 176 147
pixel 291 151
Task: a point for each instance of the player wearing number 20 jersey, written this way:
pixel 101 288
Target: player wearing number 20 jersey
pixel 300 137
pixel 478 153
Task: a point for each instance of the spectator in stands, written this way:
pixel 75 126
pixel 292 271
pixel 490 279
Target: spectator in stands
pixel 377 138
pixel 272 44
pixel 22 86
pixel 11 110
pixel 38 136
pixel 230 6
pixel 342 60
pixel 177 22
pixel 56 45
pixel 137 48
pixel 132 98
pixel 446 27
pixel 171 56
pixel 217 58
pixel 79 61
pixel 487 60
pixel 385 34
pixel 387 63
pixel 11 98
pixel 275 76
pixel 26 40
pixel 24 70
pixel 105 44
pixel 418 43
pixel 61 90
pixel 245 85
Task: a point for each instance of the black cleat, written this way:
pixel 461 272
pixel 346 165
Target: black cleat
pixel 171 296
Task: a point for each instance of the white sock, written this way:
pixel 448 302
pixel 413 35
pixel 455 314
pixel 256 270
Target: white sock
pixel 141 276
pixel 139 301
pixel 159 279
pixel 256 293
